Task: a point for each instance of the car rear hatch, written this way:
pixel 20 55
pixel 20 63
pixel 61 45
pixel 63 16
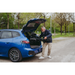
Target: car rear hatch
pixel 32 25
pixel 28 30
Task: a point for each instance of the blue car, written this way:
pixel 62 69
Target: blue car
pixel 16 44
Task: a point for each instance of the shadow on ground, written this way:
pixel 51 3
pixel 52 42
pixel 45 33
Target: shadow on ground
pixel 4 59
pixel 31 59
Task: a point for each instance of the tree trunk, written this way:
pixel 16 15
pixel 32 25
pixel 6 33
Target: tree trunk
pixel 18 25
pixel 54 30
pixel 7 20
pixel 65 29
pixel 15 26
pixel 44 22
pixel 61 29
pixel 12 26
pixel 1 26
pixel 18 21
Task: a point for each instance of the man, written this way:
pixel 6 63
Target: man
pixel 46 34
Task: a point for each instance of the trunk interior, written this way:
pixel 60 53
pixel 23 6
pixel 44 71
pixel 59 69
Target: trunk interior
pixel 34 43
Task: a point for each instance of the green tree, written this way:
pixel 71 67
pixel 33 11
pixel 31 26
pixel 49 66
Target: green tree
pixel 67 19
pixel 63 18
pixel 6 20
pixel 59 19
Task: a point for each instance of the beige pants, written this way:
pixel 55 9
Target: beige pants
pixel 49 48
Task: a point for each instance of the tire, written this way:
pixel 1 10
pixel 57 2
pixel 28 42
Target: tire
pixel 15 55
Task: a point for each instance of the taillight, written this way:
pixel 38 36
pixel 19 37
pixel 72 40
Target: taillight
pixel 26 42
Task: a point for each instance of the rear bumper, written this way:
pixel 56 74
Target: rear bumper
pixel 35 52
pixel 29 52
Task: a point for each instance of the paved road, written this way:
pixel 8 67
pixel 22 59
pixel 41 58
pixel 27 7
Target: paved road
pixel 63 50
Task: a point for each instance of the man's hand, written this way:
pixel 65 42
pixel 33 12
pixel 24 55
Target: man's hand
pixel 45 37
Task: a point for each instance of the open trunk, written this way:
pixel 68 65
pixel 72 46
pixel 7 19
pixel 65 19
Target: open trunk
pixel 29 28
pixel 34 42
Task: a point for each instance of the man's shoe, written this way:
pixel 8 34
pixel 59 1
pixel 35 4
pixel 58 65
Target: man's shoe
pixel 41 57
pixel 49 57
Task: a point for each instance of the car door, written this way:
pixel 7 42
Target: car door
pixel 5 41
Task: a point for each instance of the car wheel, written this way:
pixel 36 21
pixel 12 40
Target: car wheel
pixel 15 55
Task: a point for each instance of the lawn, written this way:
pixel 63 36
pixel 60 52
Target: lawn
pixel 63 35
pixel 59 35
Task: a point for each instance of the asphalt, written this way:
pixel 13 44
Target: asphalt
pixel 63 50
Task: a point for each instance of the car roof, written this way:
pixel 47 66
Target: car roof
pixel 10 29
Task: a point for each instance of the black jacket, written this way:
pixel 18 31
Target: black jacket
pixel 47 34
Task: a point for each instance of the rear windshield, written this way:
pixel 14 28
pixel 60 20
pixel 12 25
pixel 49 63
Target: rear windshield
pixel 31 25
pixel 34 24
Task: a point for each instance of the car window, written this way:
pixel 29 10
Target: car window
pixel 15 34
pixel 6 35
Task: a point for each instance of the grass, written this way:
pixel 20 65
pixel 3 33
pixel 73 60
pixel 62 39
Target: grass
pixel 63 35
pixel 59 35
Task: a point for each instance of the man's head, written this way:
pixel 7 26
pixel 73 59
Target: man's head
pixel 43 29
